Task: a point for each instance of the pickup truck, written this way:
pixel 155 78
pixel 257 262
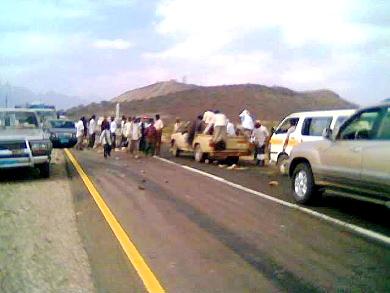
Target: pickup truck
pixel 203 148
pixel 22 142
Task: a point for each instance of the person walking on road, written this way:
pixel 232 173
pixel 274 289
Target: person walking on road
pixel 151 139
pixel 143 126
pixel 105 140
pixel 79 134
pixel 159 125
pixel 134 137
pixel 123 143
pixel 113 128
pixel 259 138
pixel 91 131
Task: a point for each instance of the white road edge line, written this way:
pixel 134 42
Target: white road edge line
pixel 357 229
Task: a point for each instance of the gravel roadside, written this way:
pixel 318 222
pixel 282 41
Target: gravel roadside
pixel 40 248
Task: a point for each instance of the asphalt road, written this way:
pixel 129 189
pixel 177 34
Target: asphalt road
pixel 200 235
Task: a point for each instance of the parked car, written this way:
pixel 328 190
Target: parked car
pixel 62 133
pixel 309 126
pixel 202 147
pixel 22 142
pixel 45 114
pixel 354 161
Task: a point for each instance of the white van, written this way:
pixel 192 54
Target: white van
pixel 309 126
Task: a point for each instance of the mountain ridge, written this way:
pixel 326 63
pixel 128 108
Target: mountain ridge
pixel 266 103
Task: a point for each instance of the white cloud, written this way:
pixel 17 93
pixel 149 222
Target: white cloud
pixel 116 44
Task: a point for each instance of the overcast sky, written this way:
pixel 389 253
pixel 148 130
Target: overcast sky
pixel 102 48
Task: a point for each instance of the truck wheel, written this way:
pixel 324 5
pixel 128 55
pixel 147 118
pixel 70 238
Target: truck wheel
pixel 44 170
pixel 175 150
pixel 232 160
pixel 199 155
pixel 302 183
pixel 281 164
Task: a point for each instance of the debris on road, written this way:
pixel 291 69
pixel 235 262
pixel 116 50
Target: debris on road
pixel 273 183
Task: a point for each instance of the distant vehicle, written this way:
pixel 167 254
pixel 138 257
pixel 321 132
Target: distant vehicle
pixel 22 142
pixel 203 149
pixel 62 133
pixel 45 114
pixel 354 162
pixel 309 127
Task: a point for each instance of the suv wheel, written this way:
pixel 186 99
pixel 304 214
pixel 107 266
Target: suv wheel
pixel 175 150
pixel 199 155
pixel 302 182
pixel 44 170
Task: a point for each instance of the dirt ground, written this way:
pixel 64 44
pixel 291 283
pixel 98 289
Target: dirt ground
pixel 40 248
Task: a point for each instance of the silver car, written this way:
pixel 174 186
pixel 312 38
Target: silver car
pixel 22 142
pixel 354 162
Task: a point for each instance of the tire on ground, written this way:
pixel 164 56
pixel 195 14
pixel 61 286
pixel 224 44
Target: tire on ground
pixel 44 170
pixel 302 184
pixel 175 149
pixel 199 155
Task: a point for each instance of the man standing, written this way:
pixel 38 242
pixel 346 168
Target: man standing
pixel 134 137
pixel 246 123
pixel 79 133
pixel 123 131
pixel 151 138
pixel 159 125
pixel 113 128
pixel 177 124
pixel 219 123
pixel 105 140
pixel 259 137
pixel 208 118
pixel 91 131
pixel 230 128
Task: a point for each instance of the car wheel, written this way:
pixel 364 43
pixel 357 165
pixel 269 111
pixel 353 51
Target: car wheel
pixel 232 160
pixel 44 170
pixel 199 155
pixel 281 164
pixel 175 150
pixel 303 187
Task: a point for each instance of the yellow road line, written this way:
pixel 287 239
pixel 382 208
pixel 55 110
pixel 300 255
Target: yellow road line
pixel 148 278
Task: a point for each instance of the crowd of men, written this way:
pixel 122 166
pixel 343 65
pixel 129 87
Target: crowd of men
pixel 145 134
pixel 220 127
pixel 136 134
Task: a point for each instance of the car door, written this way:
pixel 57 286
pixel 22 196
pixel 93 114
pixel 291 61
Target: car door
pixel 341 162
pixel 376 161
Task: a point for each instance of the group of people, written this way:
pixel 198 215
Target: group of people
pixel 136 134
pixel 216 123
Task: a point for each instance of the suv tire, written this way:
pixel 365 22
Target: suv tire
pixel 302 183
pixel 44 170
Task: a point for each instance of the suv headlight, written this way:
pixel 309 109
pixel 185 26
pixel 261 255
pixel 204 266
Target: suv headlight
pixel 40 148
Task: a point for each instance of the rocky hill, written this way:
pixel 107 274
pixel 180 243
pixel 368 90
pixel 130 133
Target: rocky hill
pixel 153 90
pixel 266 103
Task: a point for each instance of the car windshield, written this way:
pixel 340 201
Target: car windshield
pixel 61 124
pixel 46 115
pixel 18 120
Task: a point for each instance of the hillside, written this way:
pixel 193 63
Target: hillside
pixel 266 103
pixel 153 90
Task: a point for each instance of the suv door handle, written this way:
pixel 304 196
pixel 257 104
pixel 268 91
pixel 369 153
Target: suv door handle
pixel 356 149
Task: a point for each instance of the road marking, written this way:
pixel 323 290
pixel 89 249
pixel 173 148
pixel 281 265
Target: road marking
pixel 147 276
pixel 351 227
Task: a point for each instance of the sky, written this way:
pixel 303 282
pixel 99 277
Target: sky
pixel 103 48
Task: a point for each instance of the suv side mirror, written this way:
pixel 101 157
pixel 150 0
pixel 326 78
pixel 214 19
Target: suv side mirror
pixel 328 133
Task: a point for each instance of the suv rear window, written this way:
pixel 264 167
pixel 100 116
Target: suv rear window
pixel 315 126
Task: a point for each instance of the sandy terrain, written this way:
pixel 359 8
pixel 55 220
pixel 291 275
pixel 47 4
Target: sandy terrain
pixel 40 248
